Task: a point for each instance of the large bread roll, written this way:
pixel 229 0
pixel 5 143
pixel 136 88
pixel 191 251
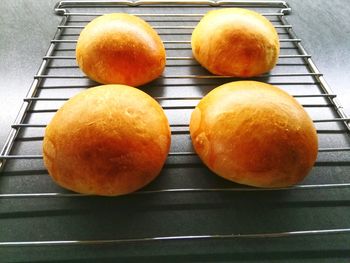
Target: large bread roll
pixel 120 49
pixel 255 134
pixel 108 140
pixel 235 42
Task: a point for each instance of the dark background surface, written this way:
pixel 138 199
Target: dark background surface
pixel 26 30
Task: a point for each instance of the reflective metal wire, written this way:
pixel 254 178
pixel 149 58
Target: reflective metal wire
pixel 50 56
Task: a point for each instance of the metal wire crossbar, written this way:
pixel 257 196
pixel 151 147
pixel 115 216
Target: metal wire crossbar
pixel 172 238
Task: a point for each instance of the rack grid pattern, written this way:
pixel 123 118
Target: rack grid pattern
pixel 178 90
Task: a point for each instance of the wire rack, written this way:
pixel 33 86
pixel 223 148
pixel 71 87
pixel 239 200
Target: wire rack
pixel 187 212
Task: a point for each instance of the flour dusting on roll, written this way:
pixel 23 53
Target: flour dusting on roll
pixel 255 134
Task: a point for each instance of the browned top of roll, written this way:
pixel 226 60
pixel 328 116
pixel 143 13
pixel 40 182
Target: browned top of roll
pixel 235 42
pixel 107 140
pixel 120 49
pixel 255 134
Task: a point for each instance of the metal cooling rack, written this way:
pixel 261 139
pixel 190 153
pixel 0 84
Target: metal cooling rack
pixel 25 181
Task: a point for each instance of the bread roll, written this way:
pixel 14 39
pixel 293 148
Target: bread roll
pixel 108 140
pixel 235 42
pixel 255 134
pixel 120 49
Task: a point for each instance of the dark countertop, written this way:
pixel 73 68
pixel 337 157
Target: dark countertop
pixel 26 27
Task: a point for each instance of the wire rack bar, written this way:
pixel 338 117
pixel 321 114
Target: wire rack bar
pixel 34 125
pixel 60 6
pixel 185 131
pixel 173 238
pixel 27 125
pixel 179 98
pixel 166 41
pixel 188 76
pixel 184 190
pixel 181 107
pixel 333 120
pixel 175 85
pixel 167 27
pixel 161 14
pixel 38 156
pixel 177 58
pixel 191 107
pixel 339 149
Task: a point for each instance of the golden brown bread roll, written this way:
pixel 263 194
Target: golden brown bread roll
pixel 235 42
pixel 108 140
pixel 120 49
pixel 255 134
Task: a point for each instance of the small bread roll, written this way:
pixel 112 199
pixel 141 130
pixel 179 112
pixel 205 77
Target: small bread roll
pixel 120 49
pixel 235 42
pixel 255 134
pixel 108 140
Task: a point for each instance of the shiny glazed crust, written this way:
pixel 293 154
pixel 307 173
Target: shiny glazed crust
pixel 120 49
pixel 235 42
pixel 108 140
pixel 255 134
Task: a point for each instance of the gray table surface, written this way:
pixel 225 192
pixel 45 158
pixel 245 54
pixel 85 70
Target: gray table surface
pixel 26 28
